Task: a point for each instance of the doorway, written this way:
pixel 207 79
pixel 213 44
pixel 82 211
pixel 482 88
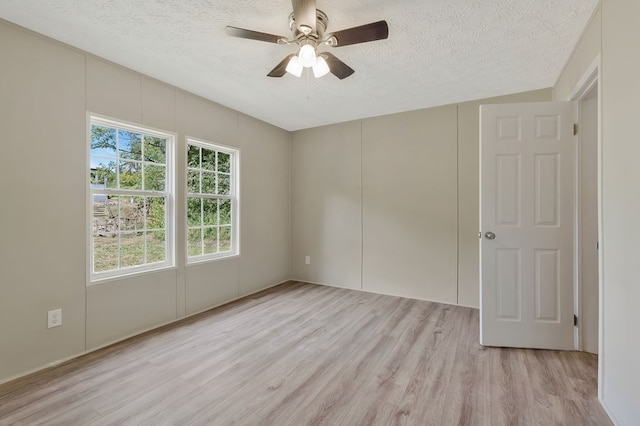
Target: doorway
pixel 588 245
pixel 526 305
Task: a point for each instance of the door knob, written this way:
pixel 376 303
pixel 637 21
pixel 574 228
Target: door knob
pixel 489 235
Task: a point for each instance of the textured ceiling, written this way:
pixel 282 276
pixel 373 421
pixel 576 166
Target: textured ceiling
pixel 438 51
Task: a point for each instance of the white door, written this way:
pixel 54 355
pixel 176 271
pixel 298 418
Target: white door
pixel 527 224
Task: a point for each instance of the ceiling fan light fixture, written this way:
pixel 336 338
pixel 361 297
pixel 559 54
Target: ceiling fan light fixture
pixel 307 55
pixel 320 68
pixel 294 66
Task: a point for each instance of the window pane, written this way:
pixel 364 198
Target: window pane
pixel 225 238
pixel 193 156
pixel 193 182
pixel 99 214
pixel 194 217
pixel 154 177
pixel 131 249
pixel 131 213
pixel 103 173
pixel 130 175
pixel 224 184
pixel 155 149
pixel 224 162
pixel 210 211
pixel 210 240
pixel 129 145
pixel 156 249
pixel 155 212
pixel 225 212
pixel 103 141
pixel 208 183
pixel 194 242
pixel 113 211
pixel 105 252
pixel 208 159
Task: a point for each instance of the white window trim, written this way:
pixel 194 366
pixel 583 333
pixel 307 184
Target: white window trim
pixel 170 213
pixel 234 197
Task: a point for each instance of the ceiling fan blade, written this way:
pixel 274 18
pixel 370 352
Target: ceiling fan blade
pixel 362 34
pixel 281 68
pixel 336 66
pixel 304 13
pixel 253 35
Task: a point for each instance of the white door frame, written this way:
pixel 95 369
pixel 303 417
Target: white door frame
pixel 592 76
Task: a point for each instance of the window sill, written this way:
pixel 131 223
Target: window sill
pixel 129 275
pixel 203 259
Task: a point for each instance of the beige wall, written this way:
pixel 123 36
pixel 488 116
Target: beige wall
pixel 390 204
pixel 409 204
pixel 42 198
pixel 614 34
pixel 621 208
pixel 326 204
pixel 45 90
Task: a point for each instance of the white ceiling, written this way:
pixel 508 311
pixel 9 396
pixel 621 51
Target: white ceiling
pixel 438 51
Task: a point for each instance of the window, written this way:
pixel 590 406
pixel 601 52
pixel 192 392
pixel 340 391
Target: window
pixel 130 186
pixel 212 201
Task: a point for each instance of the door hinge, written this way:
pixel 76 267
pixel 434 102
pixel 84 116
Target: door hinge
pixel 575 320
pixel 575 129
pixel 597 245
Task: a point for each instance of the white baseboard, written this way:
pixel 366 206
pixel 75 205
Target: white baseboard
pixel 383 293
pixel 609 413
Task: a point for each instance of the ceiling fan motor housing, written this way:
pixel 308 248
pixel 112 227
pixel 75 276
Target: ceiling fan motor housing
pixel 322 21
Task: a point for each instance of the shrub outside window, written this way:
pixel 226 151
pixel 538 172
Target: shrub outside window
pixel 212 201
pixel 130 186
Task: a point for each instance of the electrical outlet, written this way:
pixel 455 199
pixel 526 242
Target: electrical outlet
pixel 54 318
pixel 307 260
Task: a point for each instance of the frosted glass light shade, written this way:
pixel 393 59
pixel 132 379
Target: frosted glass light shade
pixel 307 55
pixel 320 68
pixel 294 66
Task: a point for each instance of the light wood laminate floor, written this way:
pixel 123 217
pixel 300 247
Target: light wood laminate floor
pixel 301 354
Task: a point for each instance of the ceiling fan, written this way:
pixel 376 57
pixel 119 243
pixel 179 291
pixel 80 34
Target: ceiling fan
pixel 308 26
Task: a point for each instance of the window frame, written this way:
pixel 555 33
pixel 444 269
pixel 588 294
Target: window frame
pixel 168 194
pixel 234 197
